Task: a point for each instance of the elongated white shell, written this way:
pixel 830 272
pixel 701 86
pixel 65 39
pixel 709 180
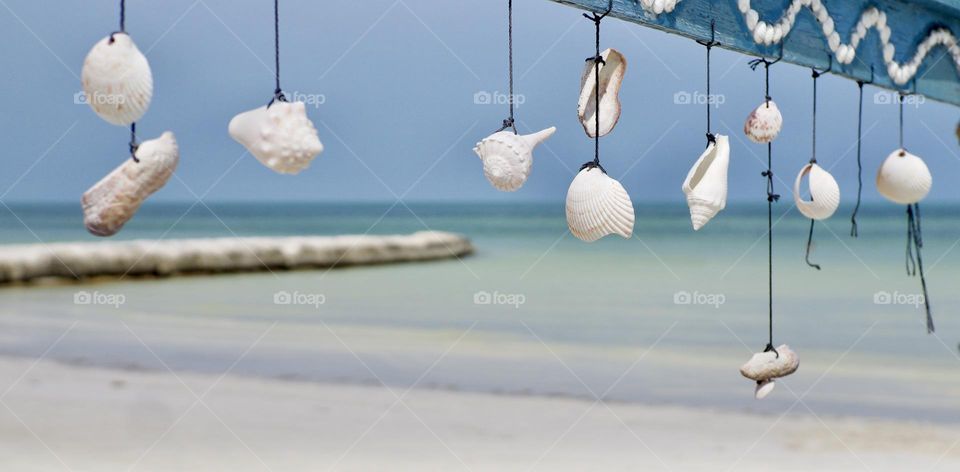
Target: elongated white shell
pixel 706 183
pixel 904 178
pixel 109 204
pixel 597 206
pixel 764 388
pixel 824 193
pixel 117 82
pixel 764 124
pixel 766 365
pixel 508 157
pixel 611 78
pixel 279 136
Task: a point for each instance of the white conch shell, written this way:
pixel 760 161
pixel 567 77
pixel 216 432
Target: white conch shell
pixel 117 82
pixel 824 193
pixel 508 157
pixel 706 183
pixel 766 365
pixel 611 77
pixel 279 136
pixel 904 178
pixel 764 124
pixel 764 388
pixel 597 206
pixel 109 204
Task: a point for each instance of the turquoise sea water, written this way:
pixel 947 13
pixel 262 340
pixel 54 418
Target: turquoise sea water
pixel 665 317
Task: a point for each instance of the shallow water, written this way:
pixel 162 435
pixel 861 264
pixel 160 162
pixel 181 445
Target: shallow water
pixel 605 319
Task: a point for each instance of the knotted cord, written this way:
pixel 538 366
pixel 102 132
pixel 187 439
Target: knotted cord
pixel 510 122
pixel 914 260
pixel 277 91
pixel 597 60
pixel 709 45
pixel 813 159
pixel 133 126
pixel 771 198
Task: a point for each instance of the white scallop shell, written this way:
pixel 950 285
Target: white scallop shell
pixel 766 365
pixel 764 388
pixel 706 183
pixel 764 123
pixel 904 178
pixel 279 136
pixel 597 206
pixel 116 78
pixel 824 193
pixel 109 204
pixel 508 157
pixel 611 78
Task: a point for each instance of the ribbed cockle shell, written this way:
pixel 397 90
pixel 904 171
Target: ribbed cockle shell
pixel 611 78
pixel 597 206
pixel 280 136
pixel 109 204
pixel 824 193
pixel 508 157
pixel 904 178
pixel 117 82
pixel 706 183
pixel 764 124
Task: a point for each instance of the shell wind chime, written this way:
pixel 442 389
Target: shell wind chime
pixel 279 134
pixel 118 86
pixel 705 186
pixel 823 188
pixel 904 178
pixel 506 155
pixel 763 126
pixel 597 204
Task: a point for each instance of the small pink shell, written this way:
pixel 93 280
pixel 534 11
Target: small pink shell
pixel 764 124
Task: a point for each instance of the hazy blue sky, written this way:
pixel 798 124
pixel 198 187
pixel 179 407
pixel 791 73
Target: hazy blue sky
pixel 399 119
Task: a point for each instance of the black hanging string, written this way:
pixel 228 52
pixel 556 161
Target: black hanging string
pixel 597 60
pixel 709 45
pixel 914 260
pixel 813 159
pixel 133 126
pixel 277 91
pixel 510 122
pixel 853 218
pixel 771 198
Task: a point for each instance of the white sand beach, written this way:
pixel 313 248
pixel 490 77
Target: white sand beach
pixel 59 417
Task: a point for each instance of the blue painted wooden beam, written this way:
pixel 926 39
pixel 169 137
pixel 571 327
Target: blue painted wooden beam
pixel 910 23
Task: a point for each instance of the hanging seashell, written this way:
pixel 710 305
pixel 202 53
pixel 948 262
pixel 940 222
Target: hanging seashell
pixel 824 193
pixel 764 388
pixel 279 135
pixel 764 124
pixel 597 206
pixel 768 365
pixel 706 183
pixel 904 178
pixel 116 78
pixel 109 204
pixel 611 77
pixel 508 157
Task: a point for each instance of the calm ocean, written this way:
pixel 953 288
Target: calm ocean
pixel 666 317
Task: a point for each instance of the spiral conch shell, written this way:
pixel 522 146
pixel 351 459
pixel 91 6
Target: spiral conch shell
pixel 279 135
pixel 763 367
pixel 597 206
pixel 109 204
pixel 824 193
pixel 611 77
pixel 117 82
pixel 764 124
pixel 508 157
pixel 706 183
pixel 904 178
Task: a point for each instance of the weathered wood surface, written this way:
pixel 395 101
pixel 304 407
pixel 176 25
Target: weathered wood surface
pixel 910 22
pixel 28 262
